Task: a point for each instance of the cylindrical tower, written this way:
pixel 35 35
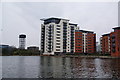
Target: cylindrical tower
pixel 22 41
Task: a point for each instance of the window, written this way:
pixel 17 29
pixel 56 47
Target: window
pixel 58 31
pixel 58 37
pixel 58 43
pixel 58 25
pixel 57 40
pixel 64 24
pixel 58 34
pixel 58 28
pixel 57 46
pixel 57 49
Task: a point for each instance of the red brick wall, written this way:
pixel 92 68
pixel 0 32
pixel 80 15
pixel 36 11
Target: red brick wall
pixel 115 53
pixel 78 42
pixel 91 43
pixel 105 44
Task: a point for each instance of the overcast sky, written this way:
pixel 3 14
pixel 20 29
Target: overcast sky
pixel 24 17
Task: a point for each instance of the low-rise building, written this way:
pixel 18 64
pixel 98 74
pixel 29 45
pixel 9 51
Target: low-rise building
pixel 33 48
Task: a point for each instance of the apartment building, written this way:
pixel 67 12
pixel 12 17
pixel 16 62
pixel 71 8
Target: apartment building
pixel 105 44
pixel 110 43
pixel 115 42
pixel 85 41
pixel 57 36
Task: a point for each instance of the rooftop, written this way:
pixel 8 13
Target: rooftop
pixel 73 24
pixel 116 28
pixel 45 19
pixel 106 34
pixel 84 31
pixel 22 36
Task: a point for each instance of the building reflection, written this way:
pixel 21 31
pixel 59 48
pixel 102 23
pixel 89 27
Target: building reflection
pixel 115 68
pixel 55 67
pixel 76 67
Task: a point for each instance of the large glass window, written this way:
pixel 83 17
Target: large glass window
pixel 58 31
pixel 58 37
pixel 58 43
pixel 58 28
pixel 57 49
pixel 58 34
pixel 57 46
pixel 58 40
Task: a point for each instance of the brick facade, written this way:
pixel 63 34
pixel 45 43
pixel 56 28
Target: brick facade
pixel 110 43
pixel 105 44
pixel 115 42
pixel 85 42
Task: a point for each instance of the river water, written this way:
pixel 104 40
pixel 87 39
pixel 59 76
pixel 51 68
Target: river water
pixel 59 67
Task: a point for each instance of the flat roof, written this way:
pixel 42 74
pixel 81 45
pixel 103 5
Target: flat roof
pixel 84 31
pixel 106 34
pixel 44 19
pixel 116 28
pixel 73 24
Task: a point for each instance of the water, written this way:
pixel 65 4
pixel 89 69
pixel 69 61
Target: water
pixel 59 67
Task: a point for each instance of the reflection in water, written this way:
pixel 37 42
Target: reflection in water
pixel 115 65
pixel 21 67
pixel 59 67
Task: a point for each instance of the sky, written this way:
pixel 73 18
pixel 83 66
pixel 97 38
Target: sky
pixel 24 17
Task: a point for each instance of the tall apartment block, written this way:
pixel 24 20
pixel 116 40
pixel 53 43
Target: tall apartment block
pixel 110 43
pixel 22 41
pixel 115 42
pixel 85 41
pixel 105 44
pixel 57 36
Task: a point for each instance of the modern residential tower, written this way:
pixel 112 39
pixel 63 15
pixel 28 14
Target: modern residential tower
pixel 57 36
pixel 22 41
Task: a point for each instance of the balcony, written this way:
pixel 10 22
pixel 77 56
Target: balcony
pixel 113 40
pixel 113 50
pixel 49 35
pixel 64 24
pixel 64 34
pixel 50 38
pixel 50 32
pixel 113 36
pixel 113 45
pixel 64 30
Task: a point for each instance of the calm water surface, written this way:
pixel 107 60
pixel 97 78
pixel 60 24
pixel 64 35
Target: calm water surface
pixel 59 67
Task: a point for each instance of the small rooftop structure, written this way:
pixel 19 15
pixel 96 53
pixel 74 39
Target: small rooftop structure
pixel 22 36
